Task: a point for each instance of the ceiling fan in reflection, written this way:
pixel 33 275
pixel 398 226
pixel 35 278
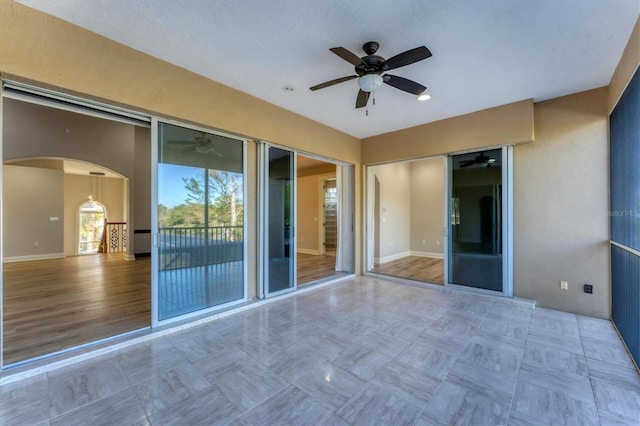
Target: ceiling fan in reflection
pixel 480 160
pixel 200 144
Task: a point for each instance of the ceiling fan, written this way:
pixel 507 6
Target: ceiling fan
pixel 370 70
pixel 479 159
pixel 201 144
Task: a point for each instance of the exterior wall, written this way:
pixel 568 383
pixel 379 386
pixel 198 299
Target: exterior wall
pixel 561 227
pixel 507 124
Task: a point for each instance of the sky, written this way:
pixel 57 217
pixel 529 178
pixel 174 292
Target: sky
pixel 171 191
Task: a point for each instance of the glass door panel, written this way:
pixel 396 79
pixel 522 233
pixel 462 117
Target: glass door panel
pixel 475 230
pixel 200 220
pixel 280 241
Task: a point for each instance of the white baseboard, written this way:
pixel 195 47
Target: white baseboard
pixel 391 257
pixel 427 254
pixel 308 251
pixel 130 257
pixel 33 257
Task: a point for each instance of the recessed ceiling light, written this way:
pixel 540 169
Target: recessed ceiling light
pixel 424 97
pixel 289 89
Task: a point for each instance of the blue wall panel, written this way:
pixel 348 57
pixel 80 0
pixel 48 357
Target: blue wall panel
pixel 625 298
pixel 625 215
pixel 625 167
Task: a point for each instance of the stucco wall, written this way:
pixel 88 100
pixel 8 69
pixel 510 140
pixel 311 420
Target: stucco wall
pixel 561 227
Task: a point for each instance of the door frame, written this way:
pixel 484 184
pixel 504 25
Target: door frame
pixel 348 248
pixel 263 221
pixel 79 105
pixel 155 143
pixel 507 220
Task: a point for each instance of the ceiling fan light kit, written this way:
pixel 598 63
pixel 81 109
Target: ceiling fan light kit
pixel 369 82
pixel 370 70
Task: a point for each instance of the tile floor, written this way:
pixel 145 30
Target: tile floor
pixel 363 351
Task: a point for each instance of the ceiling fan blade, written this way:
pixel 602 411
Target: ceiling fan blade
pixel 332 82
pixel 347 55
pixel 406 58
pixel 404 84
pixel 188 143
pixel 362 99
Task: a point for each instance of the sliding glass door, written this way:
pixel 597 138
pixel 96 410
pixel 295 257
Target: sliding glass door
pixel 477 220
pixel 200 221
pixel 278 220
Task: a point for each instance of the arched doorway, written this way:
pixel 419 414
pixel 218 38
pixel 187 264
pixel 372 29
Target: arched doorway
pixel 91 218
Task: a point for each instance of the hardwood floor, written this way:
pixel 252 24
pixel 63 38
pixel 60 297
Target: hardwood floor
pixel 425 269
pixel 313 267
pixel 51 305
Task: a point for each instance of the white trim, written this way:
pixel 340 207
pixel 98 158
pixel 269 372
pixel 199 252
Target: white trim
pixel 507 221
pixel 293 237
pixel 392 257
pixel 155 259
pixel 262 209
pixel 27 258
pixel 37 95
pixel 427 254
pixel 245 221
pixel 130 257
pixel 308 251
pixel 448 192
pixel 625 248
pixel 369 215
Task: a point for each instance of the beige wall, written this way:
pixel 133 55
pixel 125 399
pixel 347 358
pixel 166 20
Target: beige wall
pixel 394 224
pixel 561 227
pixel 507 124
pixel 31 196
pixel 107 191
pixel 65 134
pixel 427 206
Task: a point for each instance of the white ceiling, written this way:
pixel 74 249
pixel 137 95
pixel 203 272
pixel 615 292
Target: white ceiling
pixel 485 53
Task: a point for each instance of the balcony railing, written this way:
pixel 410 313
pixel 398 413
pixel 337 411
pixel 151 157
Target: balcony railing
pixel 198 246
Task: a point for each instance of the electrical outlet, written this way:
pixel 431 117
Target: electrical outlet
pixel 588 288
pixel 35 244
pixel 564 285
